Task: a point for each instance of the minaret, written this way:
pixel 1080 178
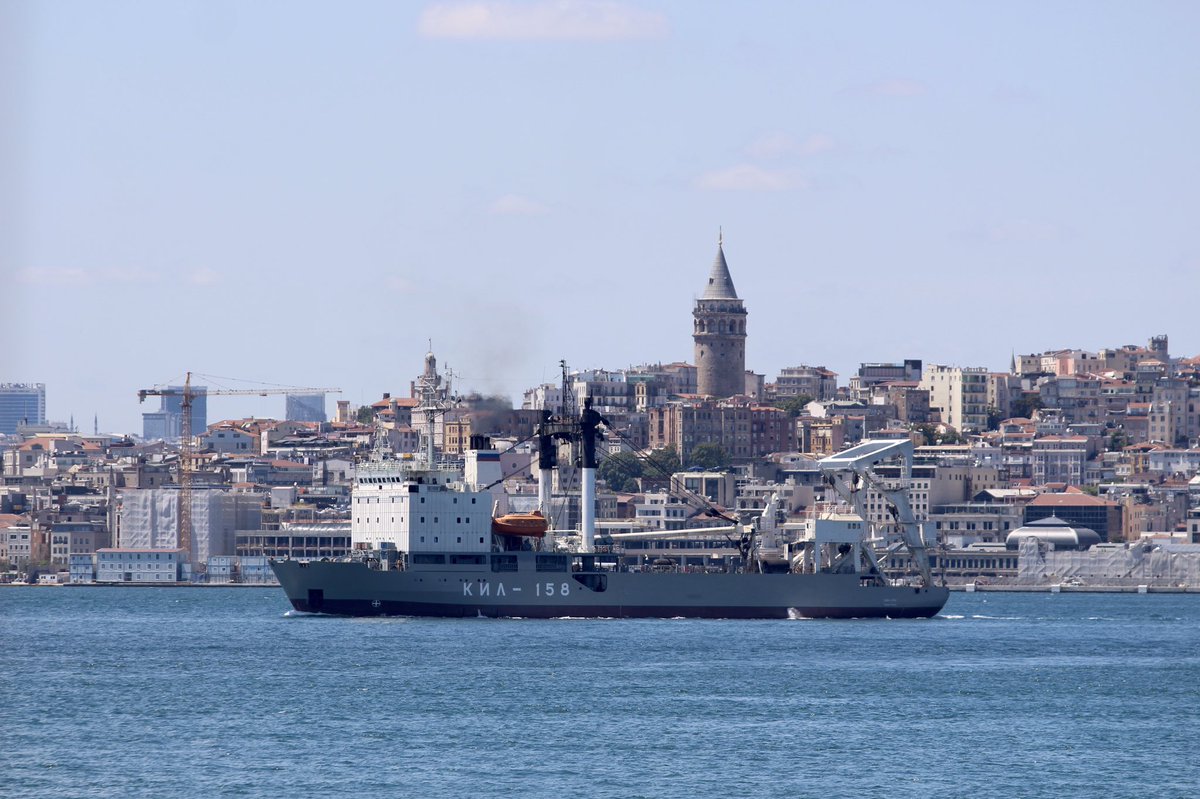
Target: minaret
pixel 719 331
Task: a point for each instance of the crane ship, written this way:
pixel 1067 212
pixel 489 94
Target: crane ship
pixel 427 544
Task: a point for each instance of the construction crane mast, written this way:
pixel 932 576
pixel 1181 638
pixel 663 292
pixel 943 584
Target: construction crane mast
pixel 187 443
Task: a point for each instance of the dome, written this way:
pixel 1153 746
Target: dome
pixel 1058 533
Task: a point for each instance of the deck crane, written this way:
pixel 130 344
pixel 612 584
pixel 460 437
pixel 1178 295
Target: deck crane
pixel 851 470
pixel 187 448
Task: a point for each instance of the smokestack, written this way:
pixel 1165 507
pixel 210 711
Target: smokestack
pixel 547 459
pixel 588 517
pixel 588 422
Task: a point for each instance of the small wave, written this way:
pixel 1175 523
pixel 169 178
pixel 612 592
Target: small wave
pixel 950 616
pixel 995 618
pixel 380 619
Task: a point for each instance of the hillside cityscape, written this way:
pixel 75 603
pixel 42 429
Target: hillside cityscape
pixel 1070 451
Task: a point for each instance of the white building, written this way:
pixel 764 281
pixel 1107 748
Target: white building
pixel 18 544
pixel 139 566
pixel 662 511
pixel 82 568
pixel 229 440
pixel 960 393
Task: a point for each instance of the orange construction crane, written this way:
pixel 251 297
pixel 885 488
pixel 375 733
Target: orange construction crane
pixel 187 444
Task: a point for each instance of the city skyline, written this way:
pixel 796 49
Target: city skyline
pixel 202 187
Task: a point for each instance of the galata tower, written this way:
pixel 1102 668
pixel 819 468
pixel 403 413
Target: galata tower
pixel 719 330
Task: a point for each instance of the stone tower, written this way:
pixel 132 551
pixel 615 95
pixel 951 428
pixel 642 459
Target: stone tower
pixel 719 330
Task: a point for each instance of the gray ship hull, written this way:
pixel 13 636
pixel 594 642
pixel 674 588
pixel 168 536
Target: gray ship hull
pixel 354 589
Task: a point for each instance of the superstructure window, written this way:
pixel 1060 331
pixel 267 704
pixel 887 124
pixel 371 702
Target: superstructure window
pixel 504 563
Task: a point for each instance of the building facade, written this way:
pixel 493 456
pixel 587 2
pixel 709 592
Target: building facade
pixel 814 382
pixel 960 393
pixel 744 430
pixel 21 404
pixel 305 408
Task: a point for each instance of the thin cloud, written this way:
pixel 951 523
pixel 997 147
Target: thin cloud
pixel 204 277
pixel 1024 230
pixel 53 276
pixel 747 177
pixel 595 20
pixel 75 276
pixel 1015 95
pixel 514 205
pixel 775 145
pixel 896 87
pixel 1014 231
pixel 400 285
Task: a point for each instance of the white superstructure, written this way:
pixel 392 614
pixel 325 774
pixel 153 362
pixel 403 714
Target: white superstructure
pixel 416 508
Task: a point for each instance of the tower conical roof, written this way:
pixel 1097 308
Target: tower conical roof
pixel 720 284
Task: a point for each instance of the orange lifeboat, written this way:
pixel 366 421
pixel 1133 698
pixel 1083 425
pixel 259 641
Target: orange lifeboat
pixel 522 524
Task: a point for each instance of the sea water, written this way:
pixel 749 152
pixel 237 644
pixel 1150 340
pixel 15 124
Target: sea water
pixel 223 692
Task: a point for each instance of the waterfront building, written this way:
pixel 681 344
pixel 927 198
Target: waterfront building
pixel 149 519
pixel 1078 509
pixel 719 334
pixel 140 566
pixel 81 568
pixel 961 524
pixel 76 538
pixel 18 544
pixel 21 405
pixel 296 541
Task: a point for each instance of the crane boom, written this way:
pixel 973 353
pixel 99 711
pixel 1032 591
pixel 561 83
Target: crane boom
pixel 187 443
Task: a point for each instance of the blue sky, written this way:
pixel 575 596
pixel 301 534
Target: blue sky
pixel 304 193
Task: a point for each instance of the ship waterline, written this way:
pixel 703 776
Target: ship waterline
pixel 464 590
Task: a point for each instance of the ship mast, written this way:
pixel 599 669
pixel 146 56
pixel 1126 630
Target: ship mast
pixel 434 399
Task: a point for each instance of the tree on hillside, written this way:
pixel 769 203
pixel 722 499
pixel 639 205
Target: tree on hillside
pixel 663 463
pixel 365 415
pixel 794 405
pixel 1024 407
pixel 935 437
pixel 709 456
pixel 621 471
